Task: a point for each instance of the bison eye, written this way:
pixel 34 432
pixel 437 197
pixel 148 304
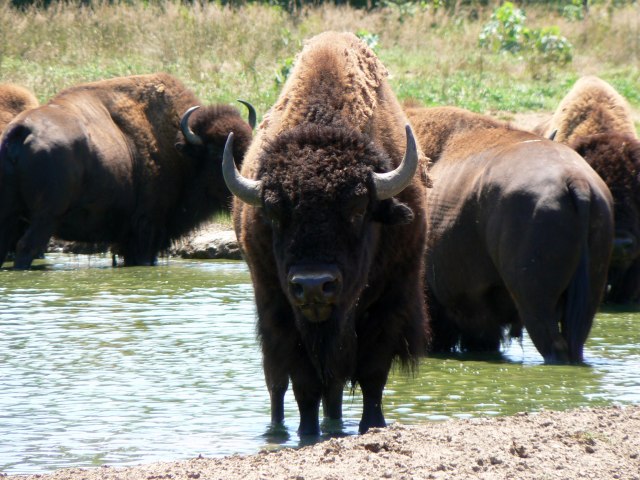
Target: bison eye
pixel 273 214
pixel 357 218
pixel 357 215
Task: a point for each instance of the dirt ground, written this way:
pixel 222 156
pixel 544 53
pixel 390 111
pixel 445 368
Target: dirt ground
pixel 593 443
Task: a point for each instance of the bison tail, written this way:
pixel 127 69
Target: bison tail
pixel 578 315
pixel 11 146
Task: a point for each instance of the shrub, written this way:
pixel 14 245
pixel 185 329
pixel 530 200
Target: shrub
pixel 505 31
pixel 542 48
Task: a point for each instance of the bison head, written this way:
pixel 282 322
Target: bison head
pixel 205 133
pixel 616 158
pixel 323 196
pixel 201 140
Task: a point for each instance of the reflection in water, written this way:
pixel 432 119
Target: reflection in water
pixel 131 365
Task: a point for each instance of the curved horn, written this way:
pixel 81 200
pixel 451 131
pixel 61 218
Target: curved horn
pixel 245 189
pixel 553 134
pixel 393 182
pixel 189 136
pixel 252 114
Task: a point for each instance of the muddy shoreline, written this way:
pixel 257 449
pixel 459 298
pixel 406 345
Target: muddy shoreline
pixel 587 443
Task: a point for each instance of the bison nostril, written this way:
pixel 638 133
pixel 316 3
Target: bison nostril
pixel 297 290
pixel 330 289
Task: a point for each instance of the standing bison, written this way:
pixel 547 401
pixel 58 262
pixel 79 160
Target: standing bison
pixel 520 233
pixel 596 121
pixel 13 100
pixel 331 219
pixel 99 163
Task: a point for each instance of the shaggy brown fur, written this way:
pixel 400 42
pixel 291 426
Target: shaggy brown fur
pixel 101 166
pixel 335 122
pixel 592 106
pixel 597 122
pixel 13 100
pixel 436 126
pixel 616 158
pixel 520 232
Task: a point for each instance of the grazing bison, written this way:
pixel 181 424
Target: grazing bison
pixel 98 163
pixel 519 235
pixel 13 100
pixel 596 121
pixel 331 219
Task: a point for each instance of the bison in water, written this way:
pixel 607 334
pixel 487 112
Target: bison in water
pixel 330 216
pixel 13 100
pixel 519 235
pixel 596 121
pixel 99 163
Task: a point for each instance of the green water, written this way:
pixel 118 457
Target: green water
pixel 132 365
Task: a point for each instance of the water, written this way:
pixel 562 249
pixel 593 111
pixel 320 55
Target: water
pixel 132 365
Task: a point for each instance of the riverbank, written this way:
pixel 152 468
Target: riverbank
pixel 588 443
pixel 210 241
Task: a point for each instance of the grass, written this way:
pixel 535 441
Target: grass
pixel 224 52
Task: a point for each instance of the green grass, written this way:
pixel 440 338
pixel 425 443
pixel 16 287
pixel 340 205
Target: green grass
pixel 224 53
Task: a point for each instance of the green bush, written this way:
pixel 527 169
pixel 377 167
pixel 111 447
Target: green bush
pixel 505 31
pixel 542 47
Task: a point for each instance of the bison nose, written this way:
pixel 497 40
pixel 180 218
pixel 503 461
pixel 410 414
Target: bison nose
pixel 315 285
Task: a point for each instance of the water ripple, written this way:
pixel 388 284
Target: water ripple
pixel 131 365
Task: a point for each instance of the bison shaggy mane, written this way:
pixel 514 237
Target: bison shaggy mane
pixel 13 100
pixel 323 158
pixel 592 106
pixel 616 158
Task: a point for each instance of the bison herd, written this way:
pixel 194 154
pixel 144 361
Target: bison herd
pixel 373 231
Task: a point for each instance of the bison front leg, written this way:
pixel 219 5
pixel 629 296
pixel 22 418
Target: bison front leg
pixel 277 381
pixel 332 400
pixel 372 415
pixel 307 389
pixel 373 369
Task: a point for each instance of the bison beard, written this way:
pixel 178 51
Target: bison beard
pixel 331 346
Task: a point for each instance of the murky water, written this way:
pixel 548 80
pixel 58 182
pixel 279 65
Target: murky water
pixel 133 365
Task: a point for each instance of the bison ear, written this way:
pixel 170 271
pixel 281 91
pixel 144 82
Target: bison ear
pixel 393 212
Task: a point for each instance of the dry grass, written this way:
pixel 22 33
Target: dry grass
pixel 225 53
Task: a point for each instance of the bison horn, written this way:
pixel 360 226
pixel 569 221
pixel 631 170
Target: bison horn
pixel 191 137
pixel 391 183
pixel 252 113
pixel 245 189
pixel 553 134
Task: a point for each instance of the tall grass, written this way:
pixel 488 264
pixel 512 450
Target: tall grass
pixel 225 52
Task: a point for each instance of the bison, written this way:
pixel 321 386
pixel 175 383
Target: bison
pixel 13 100
pixel 330 216
pixel 596 121
pixel 519 235
pixel 99 163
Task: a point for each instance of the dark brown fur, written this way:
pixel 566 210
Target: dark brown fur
pixel 616 158
pixel 596 121
pixel 520 232
pixel 98 163
pixel 335 122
